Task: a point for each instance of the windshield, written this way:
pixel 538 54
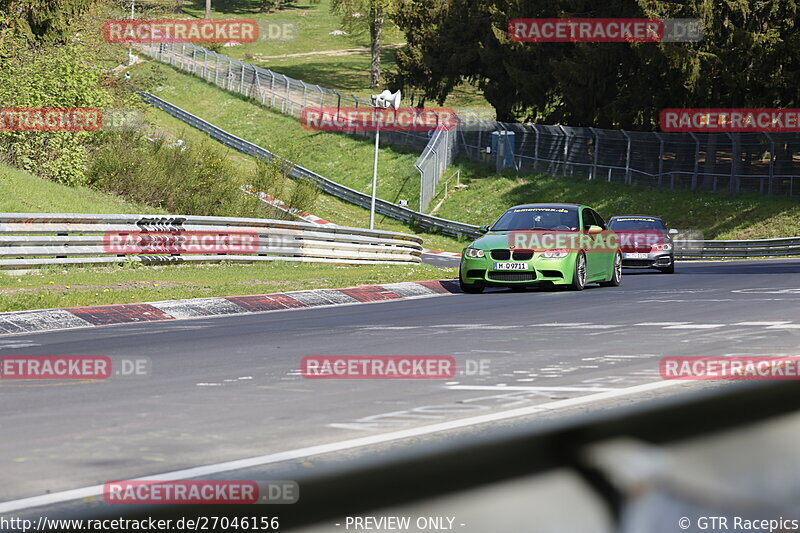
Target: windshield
pixel 636 223
pixel 527 218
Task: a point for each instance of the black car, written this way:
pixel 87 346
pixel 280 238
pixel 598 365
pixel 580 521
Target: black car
pixel 645 242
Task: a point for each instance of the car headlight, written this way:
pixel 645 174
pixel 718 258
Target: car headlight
pixel 665 247
pixel 554 254
pixel 473 253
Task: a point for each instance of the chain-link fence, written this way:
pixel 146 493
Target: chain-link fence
pixel 433 163
pixel 762 163
pixel 271 89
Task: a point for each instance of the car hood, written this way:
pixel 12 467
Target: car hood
pixel 492 241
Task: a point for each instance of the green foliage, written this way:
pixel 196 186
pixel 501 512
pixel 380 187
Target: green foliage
pixel 750 57
pixel 272 177
pixel 176 177
pixel 47 60
pixel 42 20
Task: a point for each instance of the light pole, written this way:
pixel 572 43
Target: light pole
pixel 130 48
pixel 383 100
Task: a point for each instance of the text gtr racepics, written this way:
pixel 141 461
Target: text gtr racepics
pixel 549 244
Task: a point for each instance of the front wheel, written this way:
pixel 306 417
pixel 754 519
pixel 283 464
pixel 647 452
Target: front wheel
pixel 579 274
pixel 616 275
pixel 668 270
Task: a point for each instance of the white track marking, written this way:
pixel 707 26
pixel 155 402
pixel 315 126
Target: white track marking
pixel 214 469
pixel 539 389
pixel 785 326
pixel 595 326
pixel 763 323
pixel 558 325
pixel 697 326
pixel 658 324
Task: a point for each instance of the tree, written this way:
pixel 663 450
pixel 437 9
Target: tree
pixel 268 5
pixel 208 9
pixel 179 6
pixel 365 16
pixel 750 57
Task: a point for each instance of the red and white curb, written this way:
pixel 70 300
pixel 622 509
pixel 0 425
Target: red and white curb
pixel 442 253
pixel 106 315
pixel 313 219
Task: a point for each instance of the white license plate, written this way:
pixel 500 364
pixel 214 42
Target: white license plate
pixel 511 266
pixel 636 256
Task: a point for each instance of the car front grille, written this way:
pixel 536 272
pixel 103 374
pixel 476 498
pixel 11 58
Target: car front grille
pixel 512 276
pixel 505 255
pixel 501 255
pixel 637 262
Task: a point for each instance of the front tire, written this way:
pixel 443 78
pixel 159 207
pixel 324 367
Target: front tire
pixel 579 274
pixel 616 275
pixel 668 270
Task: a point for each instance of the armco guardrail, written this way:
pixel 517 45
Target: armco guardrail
pixel 693 249
pixel 421 220
pixel 32 240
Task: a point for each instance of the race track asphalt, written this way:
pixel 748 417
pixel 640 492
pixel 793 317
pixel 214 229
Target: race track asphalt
pixel 228 388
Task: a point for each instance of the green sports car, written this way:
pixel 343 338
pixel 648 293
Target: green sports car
pixel 543 244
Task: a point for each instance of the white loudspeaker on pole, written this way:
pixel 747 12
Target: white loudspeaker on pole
pixel 386 99
pixel 383 100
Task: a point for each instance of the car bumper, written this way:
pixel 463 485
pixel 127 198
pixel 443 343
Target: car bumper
pixel 539 271
pixel 651 261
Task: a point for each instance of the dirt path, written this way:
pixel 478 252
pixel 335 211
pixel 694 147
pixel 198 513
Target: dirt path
pixel 340 52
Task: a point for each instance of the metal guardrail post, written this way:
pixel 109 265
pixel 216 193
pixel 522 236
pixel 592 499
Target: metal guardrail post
pixel 696 160
pixel 216 69
pixel 733 184
pixel 272 89
pixel 305 92
pixel 339 102
pixel 566 151
pixel 595 155
pixel 627 158
pixel 771 162
pixel 257 84
pixel 661 159
pixel 286 96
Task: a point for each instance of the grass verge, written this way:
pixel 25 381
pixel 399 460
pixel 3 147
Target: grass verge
pixel 21 192
pixel 69 287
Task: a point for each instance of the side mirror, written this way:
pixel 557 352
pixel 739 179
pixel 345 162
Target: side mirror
pixel 594 230
pixel 673 231
pixel 484 228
